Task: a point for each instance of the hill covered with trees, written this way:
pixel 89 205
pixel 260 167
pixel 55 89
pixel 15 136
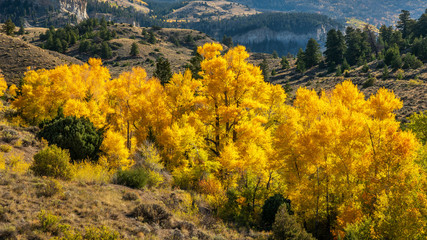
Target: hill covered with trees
pixel 371 11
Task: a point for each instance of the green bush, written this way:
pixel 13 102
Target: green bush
pixel 270 208
pixel 370 82
pixel 133 178
pixel 52 162
pixel 286 227
pixel 78 135
pixel 411 61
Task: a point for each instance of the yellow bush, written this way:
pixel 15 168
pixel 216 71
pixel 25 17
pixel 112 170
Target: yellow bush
pixel 18 143
pixel 90 172
pixel 5 148
pixel 16 163
pixel 2 162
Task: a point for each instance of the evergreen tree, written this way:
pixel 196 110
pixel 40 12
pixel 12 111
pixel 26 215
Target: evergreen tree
pixel 21 29
pixel 335 47
pixel 58 45
pixel 163 70
pixel 152 39
pixel 275 55
pixel 106 52
pixel 9 27
pixel 285 63
pixel 195 66
pixel 405 23
pixel 386 72
pixel 313 56
pixel 134 51
pixel 345 65
pixel 393 58
pixel 300 61
pixel 227 41
pixel 420 28
pixel 265 70
pixel 358 49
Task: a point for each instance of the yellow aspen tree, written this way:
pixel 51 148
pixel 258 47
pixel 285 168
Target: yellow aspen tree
pixel 346 155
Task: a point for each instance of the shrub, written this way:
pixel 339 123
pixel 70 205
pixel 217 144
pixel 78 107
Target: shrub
pixel 286 227
pixel 399 74
pixel 16 163
pixel 78 135
pixel 133 178
pixel 370 82
pixel 93 233
pixel 130 196
pixel 52 162
pixel 48 222
pixel 270 208
pixel 411 61
pixel 91 172
pixel 5 148
pixel 365 68
pixel 49 188
pixel 8 135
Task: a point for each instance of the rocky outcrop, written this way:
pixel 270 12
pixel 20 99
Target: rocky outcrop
pixel 74 7
pixel 262 38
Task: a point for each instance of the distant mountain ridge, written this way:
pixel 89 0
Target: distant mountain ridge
pixel 372 11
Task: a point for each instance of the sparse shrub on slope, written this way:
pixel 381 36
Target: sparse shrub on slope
pixel 133 178
pixel 52 162
pixel 78 135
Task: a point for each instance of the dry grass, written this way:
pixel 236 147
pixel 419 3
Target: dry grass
pixel 17 55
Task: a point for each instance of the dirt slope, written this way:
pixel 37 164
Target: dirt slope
pixel 17 55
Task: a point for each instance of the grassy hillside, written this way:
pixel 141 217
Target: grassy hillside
pixel 17 55
pixel 177 45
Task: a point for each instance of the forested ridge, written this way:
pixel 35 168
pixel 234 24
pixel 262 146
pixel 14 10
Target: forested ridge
pixel 374 12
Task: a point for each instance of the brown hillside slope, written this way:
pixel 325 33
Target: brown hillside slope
pixel 16 56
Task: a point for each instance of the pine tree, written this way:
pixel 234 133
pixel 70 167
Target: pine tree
pixel 335 47
pixel 134 51
pixel 313 56
pixel 301 66
pixel 152 39
pixel 163 70
pixel 265 70
pixel 285 63
pixel 21 29
pixel 227 41
pixel 106 52
pixel 405 23
pixel 9 27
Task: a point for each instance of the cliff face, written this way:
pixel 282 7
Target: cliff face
pixel 77 8
pixel 267 40
pixel 74 7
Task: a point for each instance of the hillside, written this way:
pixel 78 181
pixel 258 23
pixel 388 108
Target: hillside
pixel 87 205
pixel 196 11
pixel 372 11
pixel 176 45
pixel 17 55
pixel 268 32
